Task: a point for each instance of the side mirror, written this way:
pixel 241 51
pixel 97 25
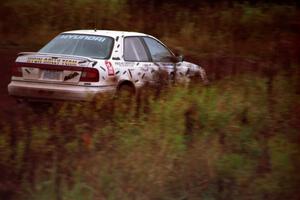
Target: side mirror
pixel 176 59
pixel 180 58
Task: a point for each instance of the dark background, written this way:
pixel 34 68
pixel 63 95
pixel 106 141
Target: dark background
pixel 238 138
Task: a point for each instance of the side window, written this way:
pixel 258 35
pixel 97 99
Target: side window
pixel 134 50
pixel 159 52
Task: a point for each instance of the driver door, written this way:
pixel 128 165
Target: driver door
pixel 162 57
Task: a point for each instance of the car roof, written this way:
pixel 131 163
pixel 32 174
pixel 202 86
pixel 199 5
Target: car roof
pixel 110 33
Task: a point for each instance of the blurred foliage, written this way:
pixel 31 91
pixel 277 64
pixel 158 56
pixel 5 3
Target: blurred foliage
pixel 190 142
pixel 228 36
pixel 235 139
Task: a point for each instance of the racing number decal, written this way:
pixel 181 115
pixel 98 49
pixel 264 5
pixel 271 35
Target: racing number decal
pixel 110 69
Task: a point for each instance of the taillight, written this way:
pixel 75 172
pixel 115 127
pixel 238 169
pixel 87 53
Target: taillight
pixel 16 70
pixel 89 75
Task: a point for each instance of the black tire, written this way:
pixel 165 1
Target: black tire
pixel 126 90
pixel 125 98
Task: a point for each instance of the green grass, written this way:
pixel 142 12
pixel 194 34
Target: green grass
pixel 216 142
pixel 237 138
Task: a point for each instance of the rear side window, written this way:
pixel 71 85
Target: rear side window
pixel 159 52
pixel 134 50
pixel 94 46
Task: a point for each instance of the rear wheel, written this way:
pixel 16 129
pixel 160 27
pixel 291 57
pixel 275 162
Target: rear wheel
pixel 125 98
pixel 126 91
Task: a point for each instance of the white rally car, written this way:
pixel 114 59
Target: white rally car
pixel 77 65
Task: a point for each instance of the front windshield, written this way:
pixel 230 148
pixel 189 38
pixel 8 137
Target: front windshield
pixel 93 46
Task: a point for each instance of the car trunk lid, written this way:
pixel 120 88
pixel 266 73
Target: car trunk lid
pixel 54 68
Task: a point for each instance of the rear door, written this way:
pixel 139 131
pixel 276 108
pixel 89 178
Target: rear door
pixel 136 56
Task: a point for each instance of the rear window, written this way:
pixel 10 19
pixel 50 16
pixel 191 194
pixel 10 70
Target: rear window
pixel 93 46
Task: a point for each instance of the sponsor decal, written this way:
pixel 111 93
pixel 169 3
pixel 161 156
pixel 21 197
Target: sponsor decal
pixel 69 62
pixel 27 70
pixel 83 37
pixel 71 76
pixel 110 69
pixel 94 63
pixel 130 73
pixel 124 64
pixel 52 61
pixel 35 60
pixel 83 61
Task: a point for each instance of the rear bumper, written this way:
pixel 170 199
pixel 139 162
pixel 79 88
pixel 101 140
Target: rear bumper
pixel 46 91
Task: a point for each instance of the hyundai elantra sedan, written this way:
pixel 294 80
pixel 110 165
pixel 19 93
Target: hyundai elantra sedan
pixel 77 65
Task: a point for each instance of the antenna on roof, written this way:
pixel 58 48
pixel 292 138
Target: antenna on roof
pixel 95 22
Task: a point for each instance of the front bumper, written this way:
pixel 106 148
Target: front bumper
pixel 46 91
